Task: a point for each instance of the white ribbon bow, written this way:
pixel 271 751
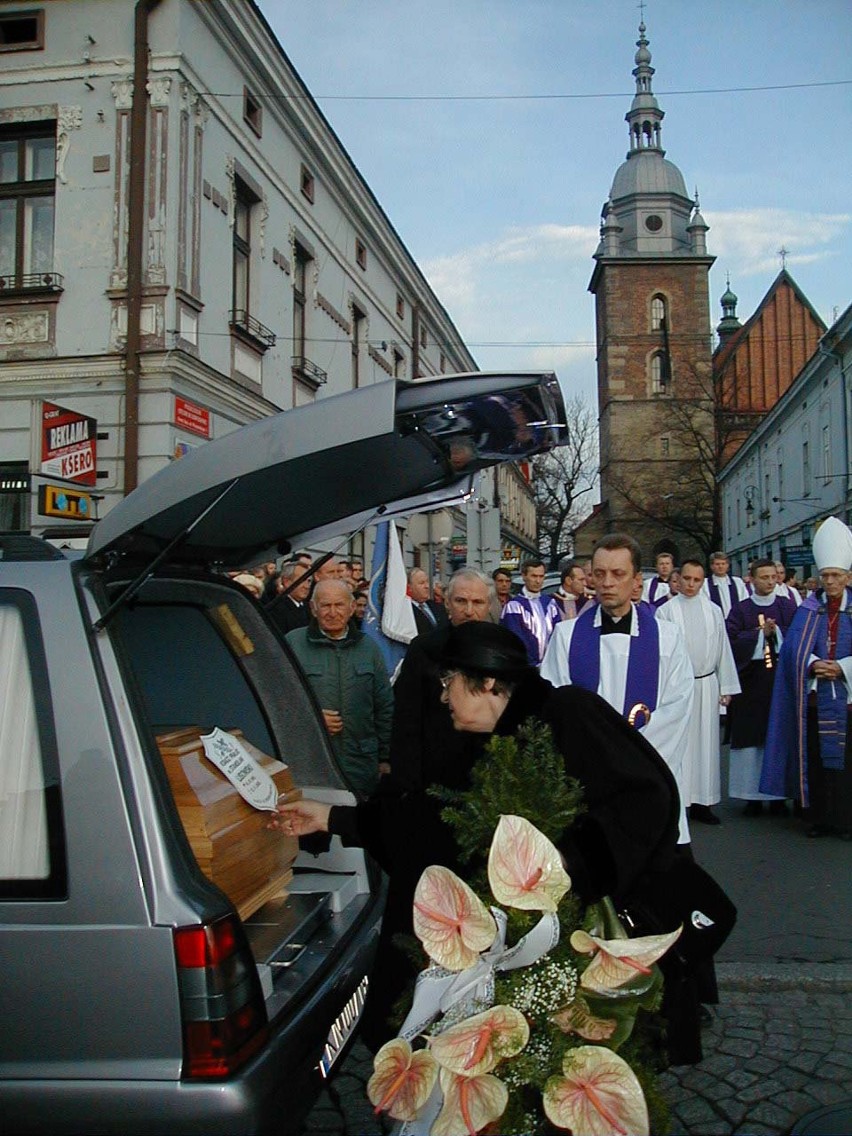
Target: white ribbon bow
pixel 437 990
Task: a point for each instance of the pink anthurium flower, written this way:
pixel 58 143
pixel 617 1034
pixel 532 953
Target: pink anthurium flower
pixel 402 1079
pixel 616 961
pixel 478 1043
pixel 469 1104
pixel 524 869
pixel 577 1018
pixel 450 920
pixel 598 1095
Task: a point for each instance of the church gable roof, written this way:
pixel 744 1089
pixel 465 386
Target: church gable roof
pixel 757 363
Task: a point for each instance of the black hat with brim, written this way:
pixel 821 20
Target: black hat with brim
pixel 482 649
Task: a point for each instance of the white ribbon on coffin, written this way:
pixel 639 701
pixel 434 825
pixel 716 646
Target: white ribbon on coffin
pixel 437 990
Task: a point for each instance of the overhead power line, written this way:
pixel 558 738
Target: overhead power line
pixel 284 97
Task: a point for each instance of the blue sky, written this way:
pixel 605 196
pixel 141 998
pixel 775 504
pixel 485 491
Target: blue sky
pixel 498 197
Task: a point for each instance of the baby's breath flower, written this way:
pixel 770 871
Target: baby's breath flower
pixel 545 988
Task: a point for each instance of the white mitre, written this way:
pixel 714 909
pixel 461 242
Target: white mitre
pixel 832 546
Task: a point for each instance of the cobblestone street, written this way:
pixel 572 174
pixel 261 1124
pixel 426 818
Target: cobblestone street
pixel 773 1055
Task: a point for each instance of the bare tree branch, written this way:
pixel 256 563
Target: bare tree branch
pixel 564 479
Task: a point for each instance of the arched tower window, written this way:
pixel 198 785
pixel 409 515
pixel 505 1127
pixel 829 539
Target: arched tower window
pixel 660 377
pixel 658 312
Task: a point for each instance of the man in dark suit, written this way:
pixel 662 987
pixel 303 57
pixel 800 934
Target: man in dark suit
pixel 427 614
pixel 290 611
pixel 425 746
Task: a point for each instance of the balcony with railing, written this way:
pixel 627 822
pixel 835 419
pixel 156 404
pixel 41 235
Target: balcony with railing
pixel 16 283
pixel 259 334
pixel 308 372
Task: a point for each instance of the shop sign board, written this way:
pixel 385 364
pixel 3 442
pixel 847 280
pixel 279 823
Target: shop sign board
pixel 68 445
pixel 797 556
pixel 60 501
pixel 188 416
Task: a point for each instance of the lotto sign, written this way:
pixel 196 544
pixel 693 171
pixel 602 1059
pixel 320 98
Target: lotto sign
pixel 68 445
pixel 58 501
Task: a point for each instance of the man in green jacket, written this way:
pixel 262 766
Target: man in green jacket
pixel 347 674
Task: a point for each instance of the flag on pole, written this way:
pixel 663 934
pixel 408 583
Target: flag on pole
pixel 389 618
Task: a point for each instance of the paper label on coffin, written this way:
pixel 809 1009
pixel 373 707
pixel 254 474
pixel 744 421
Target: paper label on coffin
pixel 252 782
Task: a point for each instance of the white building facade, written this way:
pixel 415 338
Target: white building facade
pixel 185 246
pixel 794 470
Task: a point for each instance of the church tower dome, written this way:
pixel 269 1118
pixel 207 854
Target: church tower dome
pixel 729 322
pixel 648 194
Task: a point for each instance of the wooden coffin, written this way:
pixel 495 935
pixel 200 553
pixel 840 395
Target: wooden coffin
pixel 229 838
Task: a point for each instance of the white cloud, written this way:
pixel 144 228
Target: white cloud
pixel 518 244
pixel 750 239
pixel 502 280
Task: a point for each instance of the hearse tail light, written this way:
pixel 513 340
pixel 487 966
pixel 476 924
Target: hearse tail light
pixel 222 1007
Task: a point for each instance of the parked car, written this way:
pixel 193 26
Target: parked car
pixel 139 996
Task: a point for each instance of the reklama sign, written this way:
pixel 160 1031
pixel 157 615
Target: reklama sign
pixel 68 445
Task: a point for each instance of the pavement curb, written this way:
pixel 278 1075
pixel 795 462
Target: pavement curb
pixel 806 976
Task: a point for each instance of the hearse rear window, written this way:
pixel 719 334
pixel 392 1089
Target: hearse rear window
pixel 32 835
pixel 188 674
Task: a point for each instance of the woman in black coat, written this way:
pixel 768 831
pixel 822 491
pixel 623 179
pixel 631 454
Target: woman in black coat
pixel 624 839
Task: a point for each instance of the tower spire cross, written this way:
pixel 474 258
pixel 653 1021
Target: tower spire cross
pixel 783 253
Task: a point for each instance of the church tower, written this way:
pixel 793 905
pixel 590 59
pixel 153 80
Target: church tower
pixel 654 350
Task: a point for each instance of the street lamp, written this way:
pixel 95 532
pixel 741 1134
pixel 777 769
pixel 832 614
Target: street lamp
pixel 750 493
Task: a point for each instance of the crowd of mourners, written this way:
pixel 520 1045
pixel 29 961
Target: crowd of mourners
pixel 640 676
pixel 718 663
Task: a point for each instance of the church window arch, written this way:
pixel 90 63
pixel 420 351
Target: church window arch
pixel 658 368
pixel 659 311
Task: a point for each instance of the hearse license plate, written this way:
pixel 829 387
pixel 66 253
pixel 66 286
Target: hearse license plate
pixel 343 1027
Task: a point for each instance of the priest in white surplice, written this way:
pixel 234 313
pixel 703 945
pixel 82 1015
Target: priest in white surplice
pixel 618 650
pixel 716 680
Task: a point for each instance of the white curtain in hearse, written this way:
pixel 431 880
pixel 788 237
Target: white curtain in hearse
pixel 23 814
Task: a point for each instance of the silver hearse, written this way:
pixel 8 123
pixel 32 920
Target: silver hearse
pixel 135 996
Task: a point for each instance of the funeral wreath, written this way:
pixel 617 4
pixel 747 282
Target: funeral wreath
pixel 523 1020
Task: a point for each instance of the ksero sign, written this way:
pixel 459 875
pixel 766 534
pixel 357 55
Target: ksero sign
pixel 68 445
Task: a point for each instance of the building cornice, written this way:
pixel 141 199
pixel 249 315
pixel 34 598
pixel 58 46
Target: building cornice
pixel 641 259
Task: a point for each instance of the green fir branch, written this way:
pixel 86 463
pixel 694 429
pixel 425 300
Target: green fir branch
pixel 523 776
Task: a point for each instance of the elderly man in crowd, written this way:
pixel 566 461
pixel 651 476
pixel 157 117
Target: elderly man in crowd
pixel 427 614
pixel 424 746
pixel 808 751
pixel 347 674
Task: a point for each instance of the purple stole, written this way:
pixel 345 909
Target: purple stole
pixel 831 694
pixel 643 664
pixel 713 590
pixel 652 592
